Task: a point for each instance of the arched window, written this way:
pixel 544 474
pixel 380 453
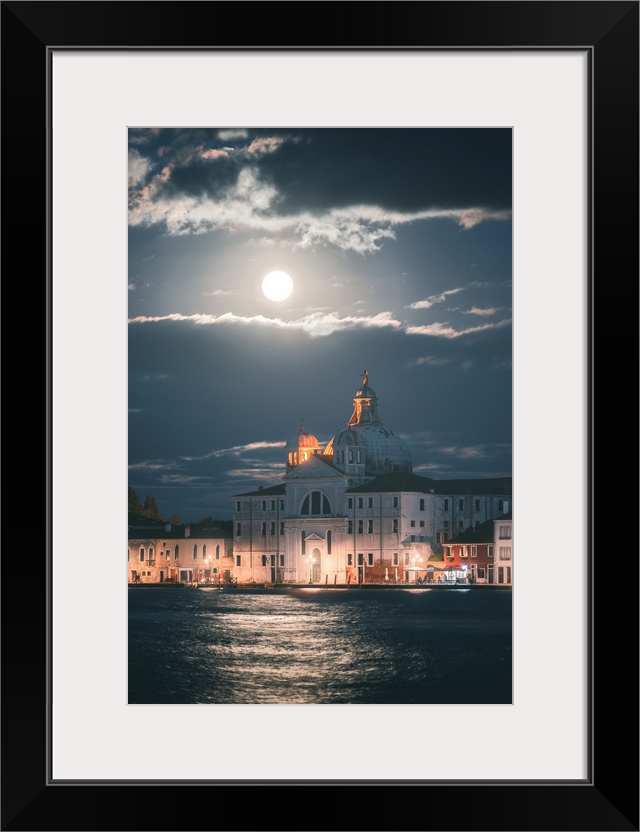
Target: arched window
pixel 176 551
pixel 204 551
pixel 195 551
pixel 217 551
pixel 328 543
pixel 304 545
pixel 315 503
pixel 142 553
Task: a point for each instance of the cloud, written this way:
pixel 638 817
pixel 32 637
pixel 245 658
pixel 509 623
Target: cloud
pixel 428 302
pixel 215 153
pixel 475 452
pixel 251 204
pixel 217 292
pixel 315 325
pixel 228 135
pixel 490 310
pixel 236 450
pixel 444 330
pixel 155 377
pixel 152 465
pixel 429 360
pixel 265 145
pixel 139 167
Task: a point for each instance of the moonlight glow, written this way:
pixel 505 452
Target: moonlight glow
pixel 277 285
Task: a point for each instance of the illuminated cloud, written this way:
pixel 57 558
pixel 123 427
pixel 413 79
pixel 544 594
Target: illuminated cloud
pixel 236 450
pixel 229 135
pixel 475 310
pixel 440 330
pixel 152 465
pixel 139 167
pixel 429 360
pixel 428 302
pixel 315 325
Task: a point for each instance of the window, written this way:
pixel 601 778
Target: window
pixel 304 544
pixel 350 527
pixel 264 505
pixel 450 552
pixel 474 551
pixel 360 559
pixel 508 574
pixel 264 560
pixel 446 524
pixel 328 543
pixel 282 528
pixel 395 502
pixel 350 456
pixel 273 505
pixel 421 505
pixel 204 551
pixel 460 505
pixel 500 505
pixel 238 529
pixel 350 502
pixel 413 524
pixel 359 502
pixel 342 457
pixel 413 538
pixel 215 570
pixel 176 552
pixel 195 551
pixel 395 558
pixel 238 505
pixel 370 502
pixel 406 558
pixel 264 528
pixel 370 558
pixel 490 552
pixel 446 505
pixel 438 537
pixel 461 524
pixel 238 560
pixel 370 526
pixel 395 527
pixel 477 505
pixel 315 503
pixel 281 560
pixel 142 553
pixel 504 532
pixel 281 505
pixel 360 526
pixel 167 554
pixel 481 573
pixel 272 529
pixel 349 559
pixel 217 551
pixel 463 552
pixel 505 552
pixel 358 459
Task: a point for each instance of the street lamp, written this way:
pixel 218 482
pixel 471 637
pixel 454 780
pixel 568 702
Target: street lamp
pixel 310 561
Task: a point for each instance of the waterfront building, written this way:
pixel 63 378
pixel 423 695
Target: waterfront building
pixel 503 546
pixel 159 552
pixel 473 552
pixel 354 511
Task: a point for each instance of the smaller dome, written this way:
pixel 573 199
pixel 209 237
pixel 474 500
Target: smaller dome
pixel 346 437
pixel 307 440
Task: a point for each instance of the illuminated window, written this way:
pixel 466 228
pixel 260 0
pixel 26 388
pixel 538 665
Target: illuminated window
pixel 463 551
pixel 315 503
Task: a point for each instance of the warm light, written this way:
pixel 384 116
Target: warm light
pixel 277 286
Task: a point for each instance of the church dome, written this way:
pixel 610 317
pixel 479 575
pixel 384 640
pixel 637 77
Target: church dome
pixel 367 442
pixel 300 447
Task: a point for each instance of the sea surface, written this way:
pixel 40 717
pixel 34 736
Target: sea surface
pixel 322 646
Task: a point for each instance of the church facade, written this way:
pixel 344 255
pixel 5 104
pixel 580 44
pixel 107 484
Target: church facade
pixel 354 512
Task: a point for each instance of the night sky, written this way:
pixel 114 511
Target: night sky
pixel 399 245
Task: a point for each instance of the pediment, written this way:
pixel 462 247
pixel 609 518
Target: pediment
pixel 313 469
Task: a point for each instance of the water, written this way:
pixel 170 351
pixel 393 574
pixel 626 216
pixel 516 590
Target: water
pixel 296 646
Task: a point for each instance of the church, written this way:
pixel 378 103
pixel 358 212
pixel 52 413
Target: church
pixel 354 512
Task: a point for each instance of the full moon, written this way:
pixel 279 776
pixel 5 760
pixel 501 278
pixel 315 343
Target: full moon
pixel 277 285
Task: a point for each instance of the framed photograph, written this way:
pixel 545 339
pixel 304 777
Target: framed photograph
pixel 86 87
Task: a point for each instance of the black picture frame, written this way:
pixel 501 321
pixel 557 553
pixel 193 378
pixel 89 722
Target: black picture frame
pixel 608 798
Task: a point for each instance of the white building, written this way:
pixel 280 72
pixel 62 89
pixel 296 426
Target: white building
pixel 354 511
pixel 503 548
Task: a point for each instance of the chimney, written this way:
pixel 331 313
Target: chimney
pixel 187 531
